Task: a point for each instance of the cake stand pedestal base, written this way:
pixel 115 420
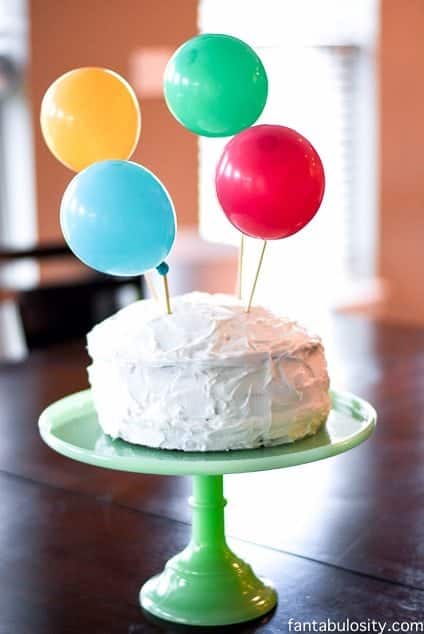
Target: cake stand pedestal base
pixel 207 584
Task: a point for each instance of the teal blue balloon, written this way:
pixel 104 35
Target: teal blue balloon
pixel 215 85
pixel 118 218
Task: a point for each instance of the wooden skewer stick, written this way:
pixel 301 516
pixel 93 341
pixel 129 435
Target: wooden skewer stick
pixel 163 269
pixel 240 267
pixel 167 298
pixel 151 286
pixel 255 281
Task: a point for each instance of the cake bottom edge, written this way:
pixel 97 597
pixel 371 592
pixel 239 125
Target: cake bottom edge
pixel 302 427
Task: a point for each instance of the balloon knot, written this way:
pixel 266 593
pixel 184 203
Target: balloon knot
pixel 163 268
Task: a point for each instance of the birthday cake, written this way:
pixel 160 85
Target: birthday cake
pixel 209 377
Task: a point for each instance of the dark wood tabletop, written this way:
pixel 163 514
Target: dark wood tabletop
pixel 341 539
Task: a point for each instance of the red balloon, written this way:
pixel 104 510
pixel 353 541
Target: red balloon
pixel 270 181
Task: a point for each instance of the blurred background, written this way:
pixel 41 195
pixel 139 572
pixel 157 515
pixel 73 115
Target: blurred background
pixel 342 72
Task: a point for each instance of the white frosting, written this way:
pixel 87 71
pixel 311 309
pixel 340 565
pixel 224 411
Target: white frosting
pixel 208 377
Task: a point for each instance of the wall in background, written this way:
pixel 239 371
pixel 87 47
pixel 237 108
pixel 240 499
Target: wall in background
pixel 401 256
pixel 73 33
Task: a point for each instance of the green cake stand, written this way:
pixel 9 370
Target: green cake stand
pixel 205 584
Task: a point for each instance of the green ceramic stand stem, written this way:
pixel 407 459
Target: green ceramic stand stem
pixel 207 584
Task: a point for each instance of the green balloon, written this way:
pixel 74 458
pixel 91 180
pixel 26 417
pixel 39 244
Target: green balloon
pixel 215 85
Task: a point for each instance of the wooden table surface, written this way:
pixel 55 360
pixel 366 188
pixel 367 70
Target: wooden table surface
pixel 342 538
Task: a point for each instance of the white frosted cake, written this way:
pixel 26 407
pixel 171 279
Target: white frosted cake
pixel 208 377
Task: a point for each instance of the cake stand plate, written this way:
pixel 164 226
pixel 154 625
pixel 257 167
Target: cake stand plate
pixel 205 584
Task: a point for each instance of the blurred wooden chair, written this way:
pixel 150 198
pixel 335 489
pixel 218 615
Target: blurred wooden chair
pixel 55 310
pixel 66 305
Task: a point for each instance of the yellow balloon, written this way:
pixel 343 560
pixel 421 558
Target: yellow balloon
pixel 90 115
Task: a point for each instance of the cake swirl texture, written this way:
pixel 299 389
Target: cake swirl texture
pixel 209 377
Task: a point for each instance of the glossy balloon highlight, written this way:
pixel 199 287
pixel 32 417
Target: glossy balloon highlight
pixel 90 115
pixel 118 218
pixel 269 181
pixel 215 85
